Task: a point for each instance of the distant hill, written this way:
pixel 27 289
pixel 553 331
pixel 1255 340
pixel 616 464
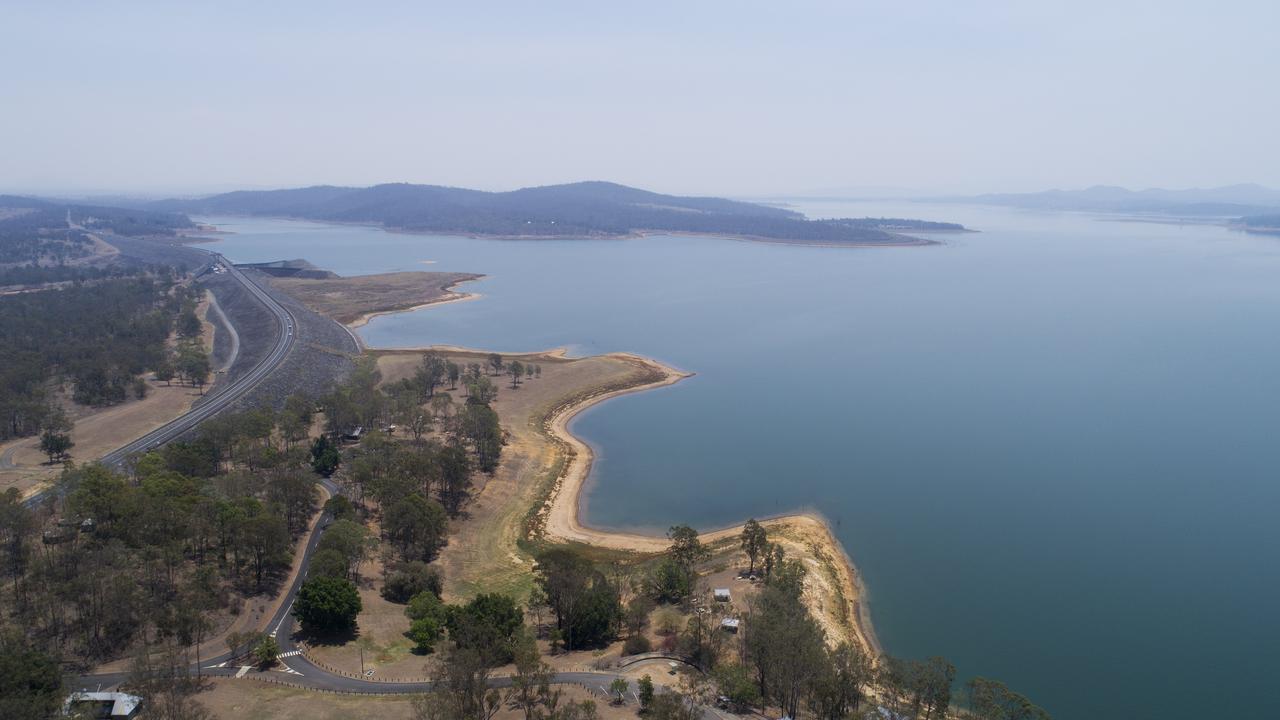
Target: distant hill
pixel 1231 200
pixel 584 209
pixel 35 231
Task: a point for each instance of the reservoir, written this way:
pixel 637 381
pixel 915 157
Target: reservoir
pixel 1052 447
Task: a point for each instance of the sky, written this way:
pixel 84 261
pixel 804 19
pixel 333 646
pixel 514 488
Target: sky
pixel 741 98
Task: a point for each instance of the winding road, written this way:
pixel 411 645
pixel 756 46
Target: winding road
pixel 296 669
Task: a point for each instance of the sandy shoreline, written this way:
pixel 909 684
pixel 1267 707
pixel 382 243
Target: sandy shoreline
pixel 452 298
pixel 849 618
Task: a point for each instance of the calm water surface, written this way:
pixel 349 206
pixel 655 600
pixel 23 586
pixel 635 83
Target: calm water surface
pixel 1051 447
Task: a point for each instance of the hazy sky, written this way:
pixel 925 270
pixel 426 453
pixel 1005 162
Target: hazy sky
pixel 741 98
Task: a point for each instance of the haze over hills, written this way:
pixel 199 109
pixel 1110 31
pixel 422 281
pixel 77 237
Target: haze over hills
pixel 1226 201
pixel 584 209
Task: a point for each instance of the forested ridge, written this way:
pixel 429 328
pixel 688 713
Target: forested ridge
pixel 579 209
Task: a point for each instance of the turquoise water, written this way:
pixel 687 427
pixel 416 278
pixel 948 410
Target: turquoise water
pixel 1050 447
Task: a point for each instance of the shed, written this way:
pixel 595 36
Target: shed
pixel 730 624
pixel 112 705
pixel 722 594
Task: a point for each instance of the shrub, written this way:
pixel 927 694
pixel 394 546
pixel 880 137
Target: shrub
pixel 636 644
pixel 410 579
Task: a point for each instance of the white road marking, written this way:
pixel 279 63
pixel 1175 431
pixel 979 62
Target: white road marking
pixel 244 670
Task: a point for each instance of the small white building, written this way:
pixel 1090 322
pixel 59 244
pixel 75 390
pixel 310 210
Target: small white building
pixel 114 705
pixel 722 594
pixel 730 624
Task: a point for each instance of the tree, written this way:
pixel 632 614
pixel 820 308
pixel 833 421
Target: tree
pixel 55 444
pixel 55 441
pixel 409 579
pixel 461 690
pixel 673 706
pixel 424 633
pixel 327 604
pixel 670 582
pixel 686 549
pixel 531 685
pixel 735 683
pixel 325 457
pixel 431 373
pixel 516 371
pixel 349 540
pixel 339 507
pixel 644 689
pixel 417 527
pixel 992 700
pixel 266 538
pixel 587 606
pixel 266 651
pixel 495 362
pixel 30 680
pixel 489 625
pixel 784 646
pixel 454 372
pixel 754 541
pixel 427 604
pixel 838 688
pixel 919 688
pixel 618 690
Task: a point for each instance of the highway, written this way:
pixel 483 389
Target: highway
pixel 221 397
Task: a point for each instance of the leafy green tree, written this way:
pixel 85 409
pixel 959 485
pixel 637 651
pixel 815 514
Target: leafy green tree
pixel 55 444
pixel 351 541
pixel 266 651
pixel 644 690
pixel 495 363
pixel 329 563
pixel 327 604
pixel 30 680
pixel 670 582
pixel 325 457
pixel 427 605
pixel 340 508
pixel 755 541
pixel 417 527
pixel 587 606
pixel 424 633
pixel 618 690
pixel 488 624
pixel 431 373
pixel 686 549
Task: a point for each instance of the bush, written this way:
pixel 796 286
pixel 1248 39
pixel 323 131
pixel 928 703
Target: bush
pixel 410 579
pixel 427 604
pixel 636 644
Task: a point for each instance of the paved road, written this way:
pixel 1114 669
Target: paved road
pixel 224 396
pixel 221 396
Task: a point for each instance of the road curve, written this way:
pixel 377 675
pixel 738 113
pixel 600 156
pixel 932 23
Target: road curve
pixel 222 397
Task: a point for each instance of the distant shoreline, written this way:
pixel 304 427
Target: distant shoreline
pixel 900 240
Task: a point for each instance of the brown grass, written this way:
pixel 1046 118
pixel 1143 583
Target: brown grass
pixel 354 300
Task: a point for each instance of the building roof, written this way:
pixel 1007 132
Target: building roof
pixel 122 704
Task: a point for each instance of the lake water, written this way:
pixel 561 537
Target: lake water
pixel 1050 447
